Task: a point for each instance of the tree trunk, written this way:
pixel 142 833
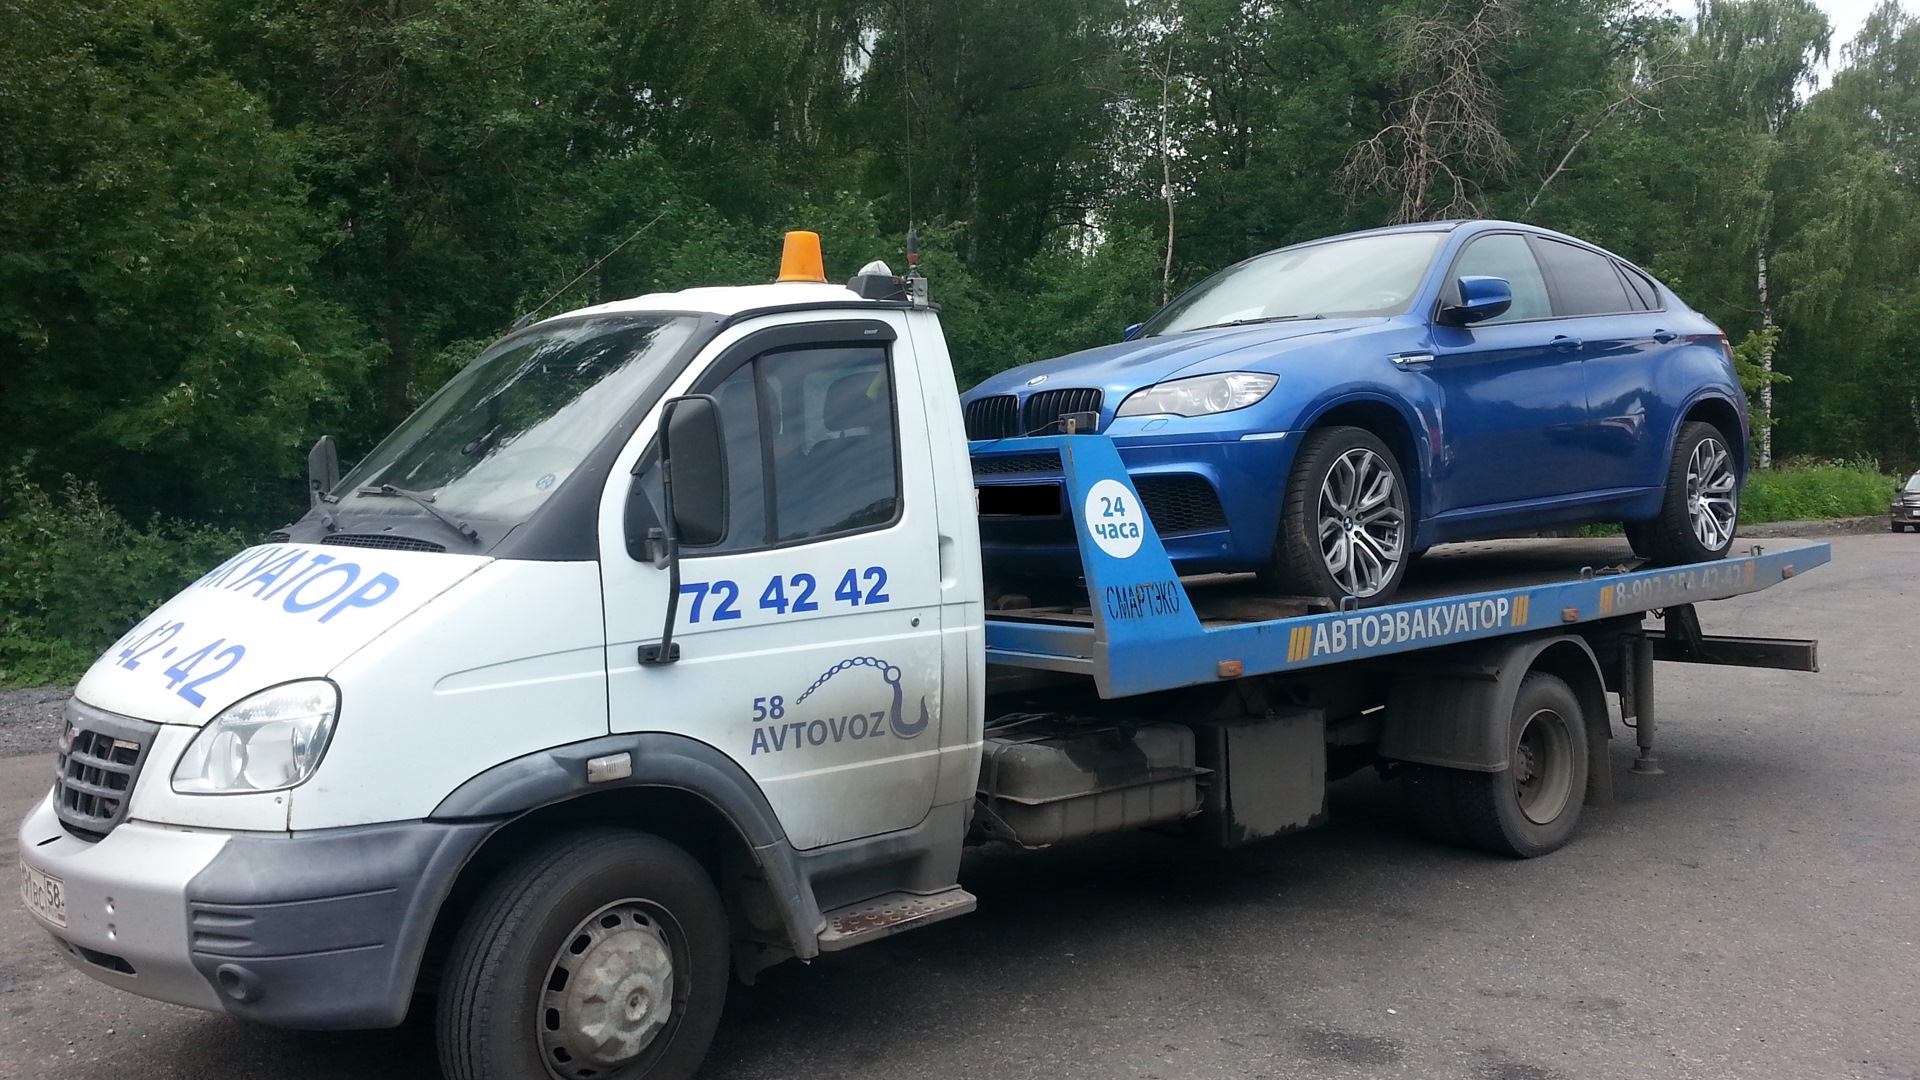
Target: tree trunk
pixel 1766 365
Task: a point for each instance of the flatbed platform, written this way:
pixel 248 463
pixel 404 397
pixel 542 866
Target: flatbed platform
pixel 1145 629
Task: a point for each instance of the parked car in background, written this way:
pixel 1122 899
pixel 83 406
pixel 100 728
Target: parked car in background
pixel 1904 512
pixel 1323 413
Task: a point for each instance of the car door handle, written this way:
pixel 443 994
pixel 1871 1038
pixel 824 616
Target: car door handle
pixel 1413 360
pixel 1664 336
pixel 1566 344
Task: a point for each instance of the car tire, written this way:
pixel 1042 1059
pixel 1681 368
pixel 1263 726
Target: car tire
pixel 558 971
pixel 1346 522
pixel 1701 507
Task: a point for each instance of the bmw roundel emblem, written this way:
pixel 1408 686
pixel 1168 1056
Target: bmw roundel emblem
pixel 1036 380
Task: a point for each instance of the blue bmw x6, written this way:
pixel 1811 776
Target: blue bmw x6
pixel 1324 413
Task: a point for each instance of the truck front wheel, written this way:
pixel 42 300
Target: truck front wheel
pixel 601 956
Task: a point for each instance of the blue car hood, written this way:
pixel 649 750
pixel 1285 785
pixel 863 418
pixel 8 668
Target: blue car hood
pixel 1128 365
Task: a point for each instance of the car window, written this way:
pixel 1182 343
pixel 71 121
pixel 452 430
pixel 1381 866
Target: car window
pixel 1585 282
pixel 1913 482
pixel 1372 276
pixel 811 447
pixel 1506 255
pixel 1641 286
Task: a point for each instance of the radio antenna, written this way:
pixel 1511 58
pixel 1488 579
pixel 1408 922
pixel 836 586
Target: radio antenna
pixel 527 320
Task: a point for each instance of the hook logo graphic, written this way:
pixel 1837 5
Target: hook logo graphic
pixel 901 728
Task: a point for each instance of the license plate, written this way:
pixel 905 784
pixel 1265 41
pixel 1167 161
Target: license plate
pixel 45 896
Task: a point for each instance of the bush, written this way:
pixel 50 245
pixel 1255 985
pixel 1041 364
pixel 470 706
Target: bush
pixel 1810 490
pixel 74 575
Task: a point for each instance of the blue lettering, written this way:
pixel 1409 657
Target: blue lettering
pixel 294 604
pixel 364 596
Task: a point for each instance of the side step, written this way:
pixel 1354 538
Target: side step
pixel 890 914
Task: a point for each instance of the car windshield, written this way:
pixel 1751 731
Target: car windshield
pixel 1360 276
pixel 1913 482
pixel 501 436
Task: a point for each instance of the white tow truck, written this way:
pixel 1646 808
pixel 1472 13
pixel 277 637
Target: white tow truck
pixel 654 650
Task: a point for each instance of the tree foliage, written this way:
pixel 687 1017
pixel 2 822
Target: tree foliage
pixel 227 227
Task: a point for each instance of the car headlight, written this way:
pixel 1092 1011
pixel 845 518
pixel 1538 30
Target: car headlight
pixel 270 741
pixel 1201 395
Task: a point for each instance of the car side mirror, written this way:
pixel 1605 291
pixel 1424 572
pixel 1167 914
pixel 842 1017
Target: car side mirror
pixel 693 490
pixel 1129 332
pixel 1481 298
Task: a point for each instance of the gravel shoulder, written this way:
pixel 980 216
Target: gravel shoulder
pixel 30 720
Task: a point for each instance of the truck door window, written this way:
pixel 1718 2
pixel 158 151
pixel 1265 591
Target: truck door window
pixel 821 422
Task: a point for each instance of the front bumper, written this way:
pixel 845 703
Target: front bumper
pixel 1248 475
pixel 320 930
pixel 1904 513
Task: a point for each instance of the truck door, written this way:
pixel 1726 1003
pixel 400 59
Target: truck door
pixel 809 634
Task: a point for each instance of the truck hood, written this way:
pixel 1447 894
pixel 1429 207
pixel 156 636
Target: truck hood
pixel 1129 365
pixel 269 615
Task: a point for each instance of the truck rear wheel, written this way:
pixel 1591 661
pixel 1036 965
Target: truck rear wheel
pixel 1529 808
pixel 602 956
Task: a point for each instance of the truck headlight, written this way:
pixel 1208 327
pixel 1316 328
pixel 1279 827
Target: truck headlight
pixel 267 742
pixel 1201 395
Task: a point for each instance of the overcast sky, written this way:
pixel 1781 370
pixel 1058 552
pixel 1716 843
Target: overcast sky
pixel 1845 15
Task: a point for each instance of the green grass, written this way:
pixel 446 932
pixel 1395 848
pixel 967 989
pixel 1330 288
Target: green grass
pixel 1815 491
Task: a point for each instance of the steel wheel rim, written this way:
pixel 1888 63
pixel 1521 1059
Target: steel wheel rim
pixel 610 992
pixel 1363 522
pixel 1543 767
pixel 1712 499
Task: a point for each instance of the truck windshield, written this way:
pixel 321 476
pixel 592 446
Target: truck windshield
pixel 499 438
pixel 1362 276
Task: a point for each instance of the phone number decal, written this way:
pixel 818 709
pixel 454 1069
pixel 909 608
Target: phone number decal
pixel 788 594
pixel 199 666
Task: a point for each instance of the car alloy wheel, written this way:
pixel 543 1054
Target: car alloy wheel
pixel 1710 494
pixel 1363 522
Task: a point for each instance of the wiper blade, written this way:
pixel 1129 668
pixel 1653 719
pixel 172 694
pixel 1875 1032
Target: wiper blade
pixel 425 502
pixel 1251 322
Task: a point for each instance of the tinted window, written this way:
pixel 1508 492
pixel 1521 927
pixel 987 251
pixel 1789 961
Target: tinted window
pixel 1506 255
pixel 1642 288
pixel 821 423
pixel 1585 281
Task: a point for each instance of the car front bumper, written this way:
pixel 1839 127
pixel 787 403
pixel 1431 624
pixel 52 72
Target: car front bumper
pixel 1246 474
pixel 320 930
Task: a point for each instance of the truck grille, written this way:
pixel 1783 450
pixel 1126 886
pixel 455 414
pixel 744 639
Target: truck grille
pixel 1048 406
pixel 99 760
pixel 996 417
pixel 1180 503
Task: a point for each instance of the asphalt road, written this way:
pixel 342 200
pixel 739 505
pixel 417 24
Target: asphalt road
pixel 1753 913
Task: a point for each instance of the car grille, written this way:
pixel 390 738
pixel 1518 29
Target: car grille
pixel 1016 464
pixel 381 540
pixel 99 760
pixel 996 417
pixel 1180 503
pixel 1048 406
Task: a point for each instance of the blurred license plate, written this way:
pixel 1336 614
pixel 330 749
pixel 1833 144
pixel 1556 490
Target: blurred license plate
pixel 44 896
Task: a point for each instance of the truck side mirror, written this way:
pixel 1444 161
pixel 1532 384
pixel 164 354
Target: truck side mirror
pixel 693 470
pixel 693 488
pixel 1481 298
pixel 323 467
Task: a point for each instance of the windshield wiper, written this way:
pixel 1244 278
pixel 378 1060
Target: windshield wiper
pixel 425 502
pixel 1250 322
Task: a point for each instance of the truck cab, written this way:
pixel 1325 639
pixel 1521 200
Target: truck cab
pixel 271 790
